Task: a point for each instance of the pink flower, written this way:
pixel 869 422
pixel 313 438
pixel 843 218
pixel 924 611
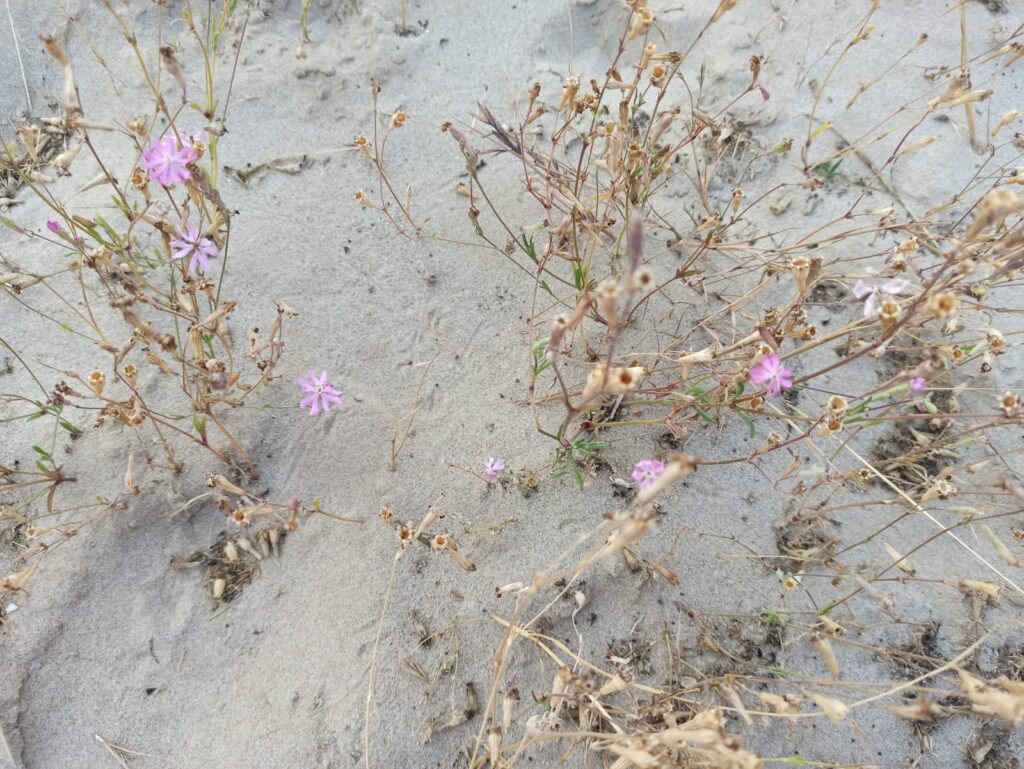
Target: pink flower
pixel 917 384
pixel 493 468
pixel 770 371
pixel 871 293
pixel 646 471
pixel 53 226
pixel 192 243
pixel 320 393
pixel 167 163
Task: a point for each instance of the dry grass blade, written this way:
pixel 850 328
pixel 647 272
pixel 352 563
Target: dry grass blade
pixel 120 753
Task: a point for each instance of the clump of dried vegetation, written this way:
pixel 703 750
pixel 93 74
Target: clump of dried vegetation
pixel 652 319
pixel 114 276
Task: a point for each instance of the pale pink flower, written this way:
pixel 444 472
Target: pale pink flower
pixel 646 471
pixel 53 226
pixel 320 393
pixel 918 385
pixel 770 371
pixel 493 468
pixel 166 161
pixel 192 243
pixel 870 294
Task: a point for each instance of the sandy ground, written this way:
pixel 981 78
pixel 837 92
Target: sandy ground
pixel 110 641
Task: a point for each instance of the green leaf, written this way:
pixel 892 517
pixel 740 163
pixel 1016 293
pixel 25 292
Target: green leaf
pixel 114 236
pixel 69 427
pixel 576 473
pixel 579 276
pixel 531 248
pixel 43 453
pixel 705 415
pixel 748 422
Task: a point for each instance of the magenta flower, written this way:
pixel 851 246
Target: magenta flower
pixel 493 468
pixel 646 471
pixel 770 371
pixel 167 163
pixel 53 226
pixel 917 384
pixel 871 294
pixel 320 393
pixel 192 243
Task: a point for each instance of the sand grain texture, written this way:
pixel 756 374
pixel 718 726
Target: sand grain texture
pixel 110 641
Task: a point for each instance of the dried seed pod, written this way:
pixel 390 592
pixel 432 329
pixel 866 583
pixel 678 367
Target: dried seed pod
pixel 827 655
pixel 97 381
pixel 889 314
pixel 786 704
pixel 1010 404
pixel 1001 549
pixel 834 709
pixel 737 200
pixel 569 89
pixel 899 560
pixel 404 535
pixel 624 380
pixel 243 543
pixel 641 21
pixel 218 481
pixel 837 406
pixel 800 269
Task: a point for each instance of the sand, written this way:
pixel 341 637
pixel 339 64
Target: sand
pixel 109 641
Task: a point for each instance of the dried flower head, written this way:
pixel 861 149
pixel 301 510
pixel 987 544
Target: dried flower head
pixel 1010 404
pixel 837 405
pixel 889 313
pixel 398 119
pixel 623 380
pixel 943 304
pixel 97 381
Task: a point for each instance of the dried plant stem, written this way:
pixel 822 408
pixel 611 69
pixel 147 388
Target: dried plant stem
pixel 965 64
pixel 917 508
pixel 373 657
pixel 396 444
pixel 17 51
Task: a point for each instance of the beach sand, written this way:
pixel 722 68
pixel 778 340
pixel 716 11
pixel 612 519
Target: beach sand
pixel 108 640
